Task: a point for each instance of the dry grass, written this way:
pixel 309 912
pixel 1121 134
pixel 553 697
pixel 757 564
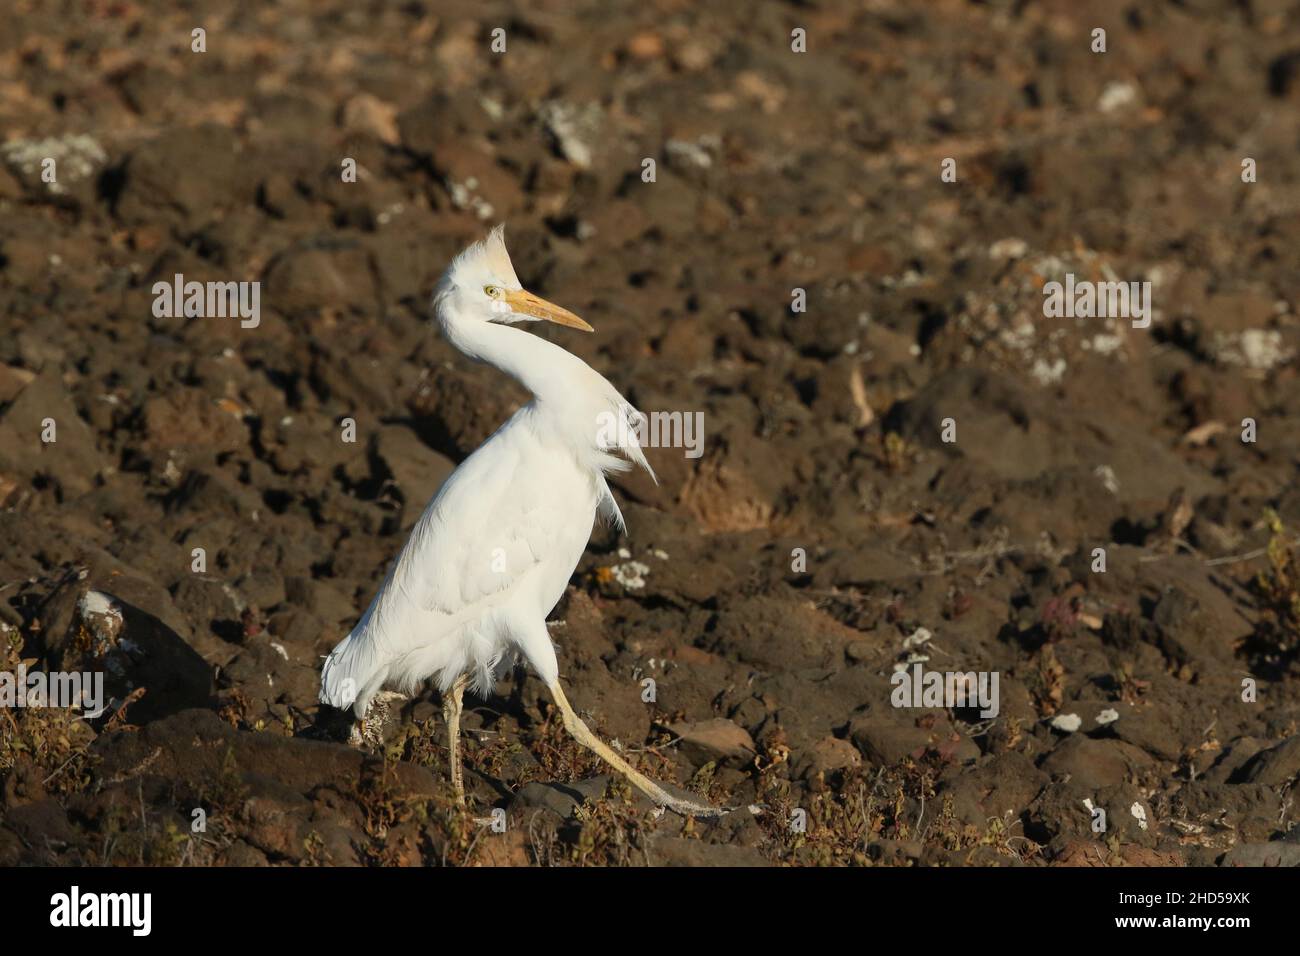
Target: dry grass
pixel 48 744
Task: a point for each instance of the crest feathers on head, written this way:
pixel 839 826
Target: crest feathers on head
pixel 489 255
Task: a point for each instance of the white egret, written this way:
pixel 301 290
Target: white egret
pixel 495 548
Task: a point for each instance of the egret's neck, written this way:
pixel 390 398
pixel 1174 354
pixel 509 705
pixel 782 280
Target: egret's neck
pixel 574 401
pixel 545 369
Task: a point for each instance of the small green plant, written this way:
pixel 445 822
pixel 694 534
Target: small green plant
pixel 1279 589
pixel 897 452
pixel 610 830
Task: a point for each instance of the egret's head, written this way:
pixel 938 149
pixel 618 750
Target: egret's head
pixel 481 284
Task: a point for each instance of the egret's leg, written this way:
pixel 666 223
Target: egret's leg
pixel 583 735
pixel 451 710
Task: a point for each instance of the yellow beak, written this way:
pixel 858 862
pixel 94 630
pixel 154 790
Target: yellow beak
pixel 526 303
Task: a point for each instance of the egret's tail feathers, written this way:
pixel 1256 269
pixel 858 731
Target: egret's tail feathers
pixel 608 507
pixel 632 446
pixel 621 432
pixel 469 651
pixel 351 676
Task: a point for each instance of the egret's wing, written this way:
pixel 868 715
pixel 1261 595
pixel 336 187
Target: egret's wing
pixel 488 527
pixel 484 531
pixel 502 535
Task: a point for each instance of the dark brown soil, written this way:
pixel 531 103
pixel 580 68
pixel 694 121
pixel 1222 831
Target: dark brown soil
pixel 775 171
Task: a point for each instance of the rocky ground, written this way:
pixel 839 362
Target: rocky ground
pixel 768 588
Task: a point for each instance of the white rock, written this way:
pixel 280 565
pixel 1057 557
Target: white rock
pixel 1067 723
pixel 1116 96
pixel 1139 814
pixel 573 128
pixel 631 575
pixel 918 637
pixel 1010 248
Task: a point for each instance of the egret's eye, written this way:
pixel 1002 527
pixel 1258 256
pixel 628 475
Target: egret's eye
pixel 492 291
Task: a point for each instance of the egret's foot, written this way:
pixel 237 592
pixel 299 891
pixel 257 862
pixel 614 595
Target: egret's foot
pixel 583 735
pixel 451 711
pixel 689 808
pixel 369 731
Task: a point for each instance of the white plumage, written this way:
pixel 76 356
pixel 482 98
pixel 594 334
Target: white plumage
pixel 493 552
pixel 495 548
